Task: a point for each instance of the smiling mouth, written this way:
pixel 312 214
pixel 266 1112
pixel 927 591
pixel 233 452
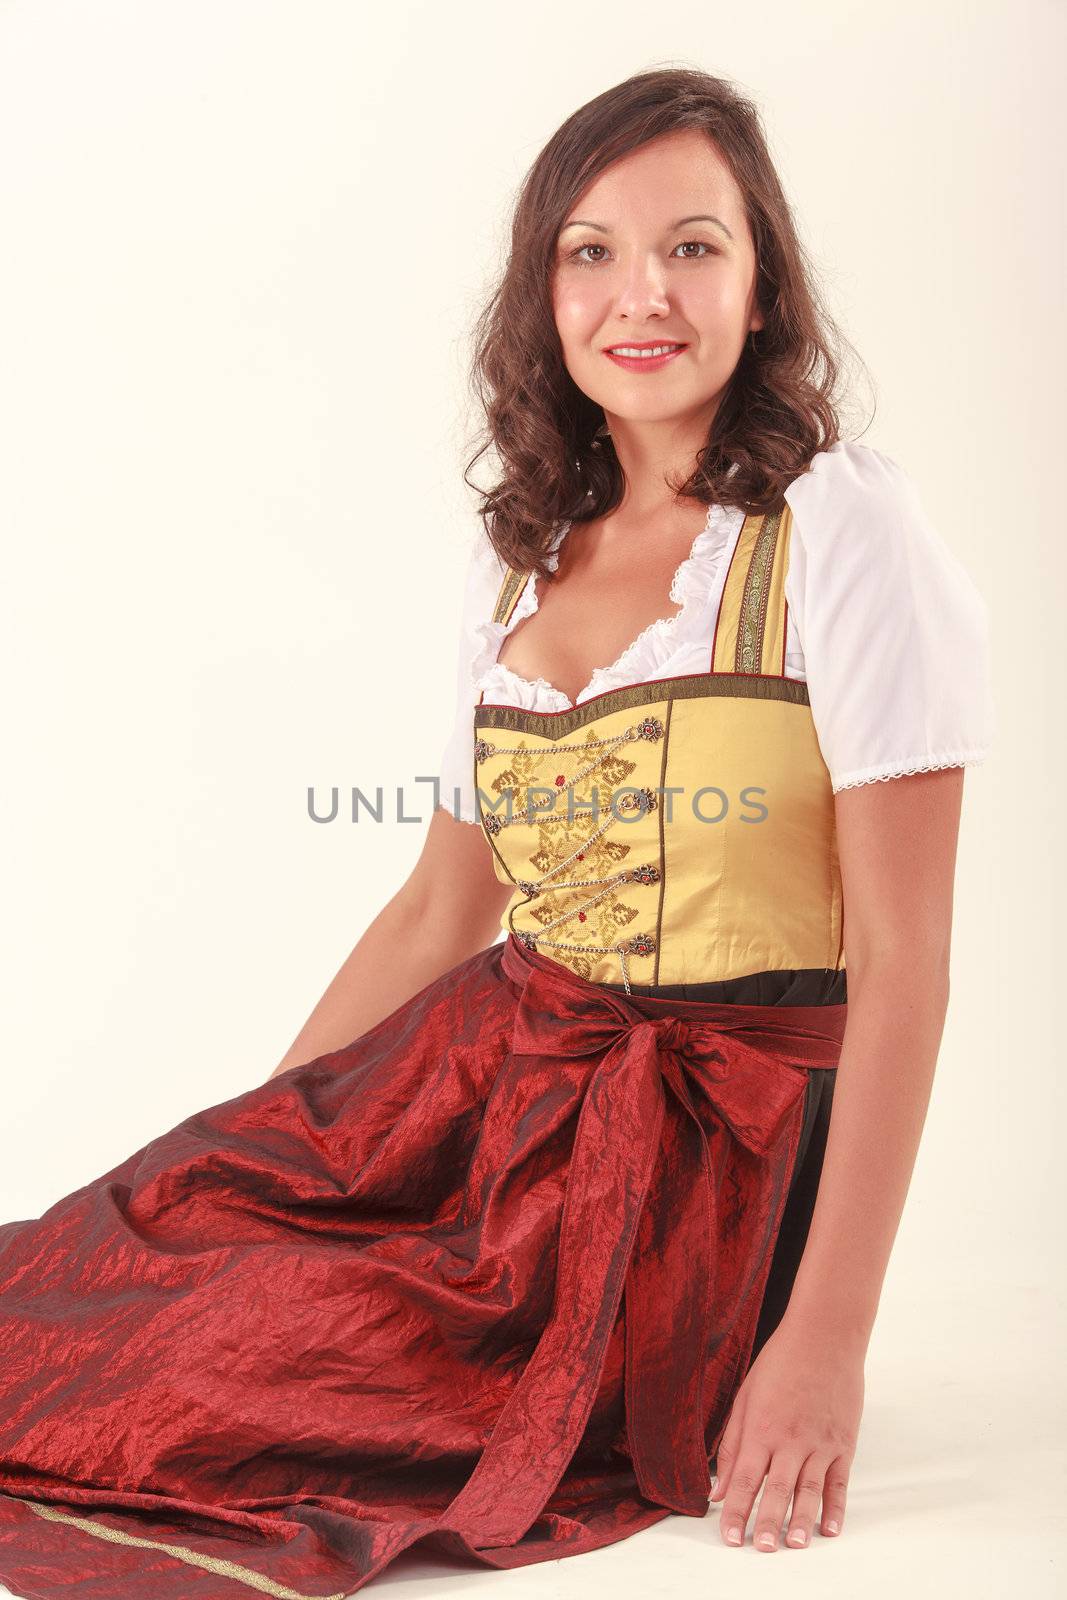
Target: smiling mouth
pixel 638 352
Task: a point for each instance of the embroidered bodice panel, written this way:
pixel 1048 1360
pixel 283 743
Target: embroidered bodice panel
pixel 680 830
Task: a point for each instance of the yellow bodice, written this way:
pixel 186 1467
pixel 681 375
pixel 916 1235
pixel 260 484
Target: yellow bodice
pixel 678 831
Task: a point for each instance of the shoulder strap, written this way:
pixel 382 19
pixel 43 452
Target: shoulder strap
pixel 750 629
pixel 511 587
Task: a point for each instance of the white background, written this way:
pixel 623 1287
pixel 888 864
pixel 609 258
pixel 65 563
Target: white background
pixel 244 245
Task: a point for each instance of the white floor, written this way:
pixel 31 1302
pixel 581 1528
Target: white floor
pixel 957 1489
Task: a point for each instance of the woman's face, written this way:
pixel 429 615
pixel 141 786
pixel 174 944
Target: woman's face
pixel 657 249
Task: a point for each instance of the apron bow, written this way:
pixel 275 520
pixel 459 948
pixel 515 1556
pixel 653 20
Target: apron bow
pixel 677 1180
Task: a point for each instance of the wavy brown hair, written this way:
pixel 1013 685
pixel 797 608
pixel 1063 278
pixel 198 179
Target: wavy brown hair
pixel 779 408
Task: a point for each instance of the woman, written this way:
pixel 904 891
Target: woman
pixel 521 1237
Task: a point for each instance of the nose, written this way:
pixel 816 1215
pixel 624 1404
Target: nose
pixel 643 291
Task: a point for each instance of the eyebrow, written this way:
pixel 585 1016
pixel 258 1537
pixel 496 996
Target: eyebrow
pixel 602 227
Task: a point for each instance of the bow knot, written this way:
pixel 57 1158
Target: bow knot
pixel 647 1178
pixel 671 1033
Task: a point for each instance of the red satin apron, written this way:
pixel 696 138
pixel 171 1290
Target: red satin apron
pixel 485 1278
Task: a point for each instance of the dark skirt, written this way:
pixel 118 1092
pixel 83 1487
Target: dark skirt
pixel 485 1279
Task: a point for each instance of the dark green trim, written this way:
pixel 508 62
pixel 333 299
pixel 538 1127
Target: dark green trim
pixel 695 685
pixel 662 841
pixel 752 618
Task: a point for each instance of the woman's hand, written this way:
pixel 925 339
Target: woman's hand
pixel 794 1421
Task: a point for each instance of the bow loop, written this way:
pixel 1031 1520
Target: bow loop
pixel 547 1024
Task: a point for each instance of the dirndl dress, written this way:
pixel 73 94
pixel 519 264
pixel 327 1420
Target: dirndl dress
pixel 487 1278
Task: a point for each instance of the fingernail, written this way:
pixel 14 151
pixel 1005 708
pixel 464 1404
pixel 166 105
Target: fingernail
pixel 798 1536
pixel 766 1541
pixel 714 1485
pixel 833 1527
pixel 733 1536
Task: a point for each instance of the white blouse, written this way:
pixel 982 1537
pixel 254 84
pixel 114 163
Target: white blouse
pixel 884 624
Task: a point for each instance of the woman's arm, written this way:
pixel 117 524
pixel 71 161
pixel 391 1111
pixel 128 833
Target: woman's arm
pixel 897 843
pixel 796 1416
pixel 448 909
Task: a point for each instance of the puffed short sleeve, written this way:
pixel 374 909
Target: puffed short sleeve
pixel 894 631
pixel 484 574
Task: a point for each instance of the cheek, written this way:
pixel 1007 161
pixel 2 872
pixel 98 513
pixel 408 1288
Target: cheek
pixel 712 301
pixel 579 310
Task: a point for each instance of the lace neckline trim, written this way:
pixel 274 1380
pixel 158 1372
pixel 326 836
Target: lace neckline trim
pixel 690 587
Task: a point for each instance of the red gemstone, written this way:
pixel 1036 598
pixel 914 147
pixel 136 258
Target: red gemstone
pixel 581 916
pixel 560 780
pixel 581 855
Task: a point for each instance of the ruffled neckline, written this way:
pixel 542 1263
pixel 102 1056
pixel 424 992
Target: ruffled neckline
pixel 641 660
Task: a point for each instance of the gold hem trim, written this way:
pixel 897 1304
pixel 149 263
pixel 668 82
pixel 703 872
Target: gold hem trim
pixel 225 1569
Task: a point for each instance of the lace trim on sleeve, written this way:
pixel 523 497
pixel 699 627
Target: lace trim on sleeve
pixel 904 769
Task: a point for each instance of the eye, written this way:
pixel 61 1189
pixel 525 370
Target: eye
pixel 579 258
pixel 576 255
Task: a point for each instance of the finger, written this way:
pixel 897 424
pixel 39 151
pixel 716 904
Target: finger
pixel 806 1499
pixel 726 1454
pixel 745 1480
pixel 835 1491
pixel 774 1501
